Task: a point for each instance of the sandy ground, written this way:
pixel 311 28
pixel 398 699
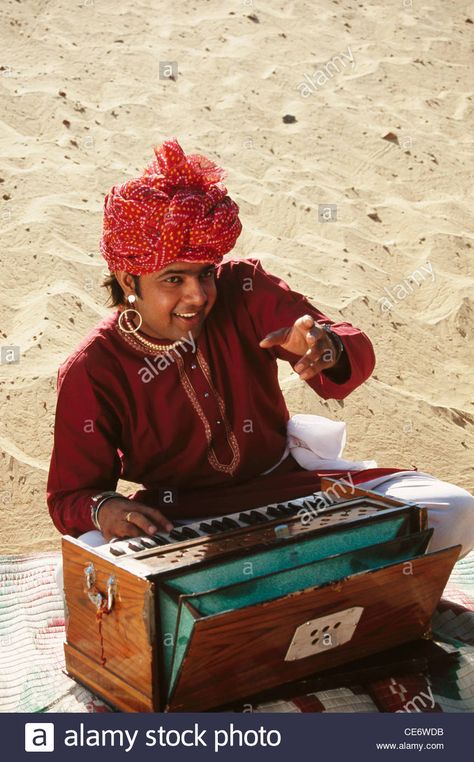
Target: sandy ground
pixel 296 100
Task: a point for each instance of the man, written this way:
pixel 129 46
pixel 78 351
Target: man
pixel 178 390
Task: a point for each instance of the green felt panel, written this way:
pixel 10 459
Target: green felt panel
pixel 338 540
pixel 271 586
pixel 168 616
pixel 183 635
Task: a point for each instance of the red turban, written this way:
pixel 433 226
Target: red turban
pixel 177 210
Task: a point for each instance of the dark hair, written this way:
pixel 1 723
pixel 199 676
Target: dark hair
pixel 116 295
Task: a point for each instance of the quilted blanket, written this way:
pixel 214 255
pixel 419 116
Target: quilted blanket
pixel 33 677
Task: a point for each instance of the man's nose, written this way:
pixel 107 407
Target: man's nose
pixel 195 293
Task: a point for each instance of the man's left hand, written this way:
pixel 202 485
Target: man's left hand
pixel 307 338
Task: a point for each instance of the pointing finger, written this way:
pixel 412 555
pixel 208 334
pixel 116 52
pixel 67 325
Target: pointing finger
pixel 275 338
pixel 305 322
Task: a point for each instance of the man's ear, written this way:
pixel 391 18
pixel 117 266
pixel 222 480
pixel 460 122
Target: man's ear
pixel 126 281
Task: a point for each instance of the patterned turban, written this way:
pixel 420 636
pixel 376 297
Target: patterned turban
pixel 177 210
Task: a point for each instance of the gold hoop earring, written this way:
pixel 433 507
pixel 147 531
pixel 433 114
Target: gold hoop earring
pixel 131 298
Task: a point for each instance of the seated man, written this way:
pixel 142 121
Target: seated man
pixel 178 391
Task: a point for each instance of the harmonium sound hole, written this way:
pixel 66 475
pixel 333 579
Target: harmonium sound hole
pixel 193 553
pixel 189 554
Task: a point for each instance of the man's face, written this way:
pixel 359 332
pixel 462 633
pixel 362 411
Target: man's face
pixel 174 300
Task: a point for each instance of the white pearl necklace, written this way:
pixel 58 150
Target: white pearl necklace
pixel 145 342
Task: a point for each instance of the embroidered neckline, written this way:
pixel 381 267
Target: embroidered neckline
pixel 231 438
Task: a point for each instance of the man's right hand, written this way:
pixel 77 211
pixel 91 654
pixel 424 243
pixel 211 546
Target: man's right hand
pixel 120 517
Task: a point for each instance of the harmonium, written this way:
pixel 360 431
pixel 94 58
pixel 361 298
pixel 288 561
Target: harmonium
pixel 222 610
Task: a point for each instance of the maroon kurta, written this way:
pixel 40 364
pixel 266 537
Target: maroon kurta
pixel 194 428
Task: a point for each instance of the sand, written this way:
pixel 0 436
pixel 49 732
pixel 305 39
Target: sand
pixel 363 106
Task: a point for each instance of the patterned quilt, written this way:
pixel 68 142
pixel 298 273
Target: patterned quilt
pixel 33 678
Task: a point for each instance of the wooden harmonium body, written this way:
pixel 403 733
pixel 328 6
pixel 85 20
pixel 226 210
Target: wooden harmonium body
pixel 194 624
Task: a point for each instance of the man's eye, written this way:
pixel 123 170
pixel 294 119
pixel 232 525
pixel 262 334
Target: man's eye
pixel 173 279
pixel 208 273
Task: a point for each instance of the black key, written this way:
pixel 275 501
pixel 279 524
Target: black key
pixel 208 528
pixel 160 540
pixel 253 517
pixel 259 517
pixel 230 523
pixel 188 532
pixel 135 545
pixel 148 543
pixel 116 551
pixel 214 529
pixel 275 510
pixel 287 510
pixel 218 525
pixel 177 533
pixel 246 518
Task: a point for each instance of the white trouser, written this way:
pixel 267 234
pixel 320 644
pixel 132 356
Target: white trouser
pixel 450 510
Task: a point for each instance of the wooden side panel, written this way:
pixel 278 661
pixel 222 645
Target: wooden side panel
pixel 125 638
pixel 242 652
pixel 340 489
pixel 105 684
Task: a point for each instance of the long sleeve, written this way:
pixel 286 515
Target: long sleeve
pixel 85 458
pixel 273 305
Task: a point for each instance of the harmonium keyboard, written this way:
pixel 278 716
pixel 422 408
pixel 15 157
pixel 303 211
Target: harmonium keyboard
pixel 219 610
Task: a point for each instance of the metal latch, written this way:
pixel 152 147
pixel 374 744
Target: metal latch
pixel 102 601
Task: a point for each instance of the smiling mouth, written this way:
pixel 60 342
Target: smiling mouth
pixel 187 315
